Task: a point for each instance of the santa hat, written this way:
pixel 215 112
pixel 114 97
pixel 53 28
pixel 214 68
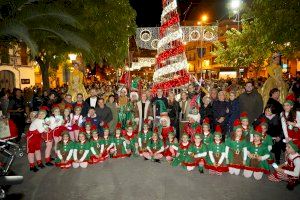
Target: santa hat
pixel 236 124
pixel 68 107
pixel 54 107
pixel 218 131
pixel 105 126
pixel 206 122
pixel 88 122
pixel 162 108
pixel 294 146
pixel 243 116
pixel 291 97
pixel 93 127
pixel 194 114
pixel 146 122
pixel 43 109
pixel 118 126
pixel 263 122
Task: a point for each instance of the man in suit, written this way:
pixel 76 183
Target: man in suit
pixel 90 102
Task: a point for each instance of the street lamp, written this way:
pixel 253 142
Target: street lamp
pixel 204 19
pixel 235 7
pixel 72 56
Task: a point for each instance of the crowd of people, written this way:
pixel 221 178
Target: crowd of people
pixel 218 126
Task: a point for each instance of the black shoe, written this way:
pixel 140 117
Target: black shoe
pixel 41 165
pixel 290 187
pixel 146 159
pixel 157 160
pixel 34 169
pixel 49 164
pixel 201 171
pixel 52 159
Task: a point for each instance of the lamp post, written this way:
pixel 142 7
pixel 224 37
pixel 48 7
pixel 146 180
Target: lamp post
pixel 204 19
pixel 235 7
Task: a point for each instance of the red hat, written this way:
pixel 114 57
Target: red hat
pixel 291 97
pixel 44 108
pixel 146 121
pixel 55 106
pixel 93 127
pixel 206 121
pixel 263 122
pixel 258 129
pixel 68 106
pixel 244 115
pixel 105 126
pixel 118 126
pixel 218 128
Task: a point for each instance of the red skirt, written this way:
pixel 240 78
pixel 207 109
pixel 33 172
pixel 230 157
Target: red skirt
pixel 47 136
pixel 58 131
pixel 75 127
pixel 221 168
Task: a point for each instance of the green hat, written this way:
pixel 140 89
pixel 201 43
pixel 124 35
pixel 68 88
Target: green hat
pixel 294 146
pixel 257 133
pixel 243 116
pixel 162 107
pixel 291 103
pixel 199 134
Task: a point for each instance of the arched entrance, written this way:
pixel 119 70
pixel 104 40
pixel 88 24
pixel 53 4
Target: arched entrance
pixel 7 79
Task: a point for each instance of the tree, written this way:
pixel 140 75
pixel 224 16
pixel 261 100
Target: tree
pixel 99 30
pixel 242 49
pixel 276 22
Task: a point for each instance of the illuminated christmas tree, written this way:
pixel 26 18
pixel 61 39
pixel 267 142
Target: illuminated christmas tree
pixel 171 69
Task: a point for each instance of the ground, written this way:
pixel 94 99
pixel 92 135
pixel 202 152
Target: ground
pixel 135 178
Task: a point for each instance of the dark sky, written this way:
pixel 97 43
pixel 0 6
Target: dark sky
pixel 149 11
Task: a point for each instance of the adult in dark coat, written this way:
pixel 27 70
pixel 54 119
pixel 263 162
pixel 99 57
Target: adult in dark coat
pixel 104 113
pixel 220 110
pixel 90 102
pixel 234 110
pixel 156 105
pixel 206 109
pixel 16 109
pixel 251 102
pixel 173 112
pixel 274 101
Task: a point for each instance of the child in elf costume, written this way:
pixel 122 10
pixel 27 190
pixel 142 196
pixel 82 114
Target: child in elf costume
pixel 193 126
pixel 119 145
pixel 247 128
pixel 290 170
pixel 55 123
pixel 198 151
pixel 207 136
pixel 95 144
pixel 164 126
pixel 130 137
pixel 107 143
pixel 88 127
pixel 171 147
pixel 236 149
pixel 34 139
pixel 216 154
pixel 64 152
pixel 143 137
pixel 76 121
pixel 257 155
pixel 155 149
pixel 183 158
pixel 267 140
pixel 81 152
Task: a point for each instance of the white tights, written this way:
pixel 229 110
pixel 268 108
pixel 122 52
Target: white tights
pixel 81 164
pixel 234 171
pixel 256 175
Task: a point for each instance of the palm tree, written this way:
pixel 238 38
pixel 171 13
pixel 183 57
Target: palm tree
pixel 44 28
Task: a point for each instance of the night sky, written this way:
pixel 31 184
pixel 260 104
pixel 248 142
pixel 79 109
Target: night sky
pixel 149 11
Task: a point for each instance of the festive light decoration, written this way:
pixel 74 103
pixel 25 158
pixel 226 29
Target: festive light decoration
pixel 171 60
pixel 142 62
pixel 147 37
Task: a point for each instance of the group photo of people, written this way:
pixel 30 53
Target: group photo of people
pixel 213 128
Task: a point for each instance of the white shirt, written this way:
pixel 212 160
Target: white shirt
pixel 38 124
pixel 93 101
pixel 55 121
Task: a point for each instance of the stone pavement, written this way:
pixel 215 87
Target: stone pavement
pixel 135 178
